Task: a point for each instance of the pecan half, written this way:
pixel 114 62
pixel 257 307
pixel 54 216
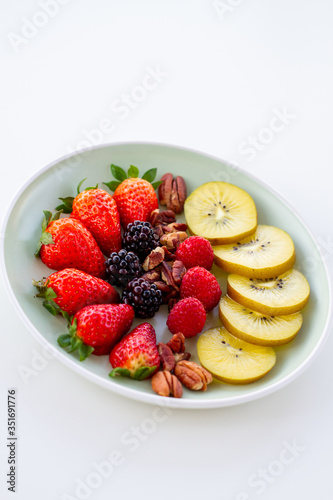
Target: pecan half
pixel 161 285
pixel 182 356
pixel 172 192
pixel 173 240
pixel 165 384
pixel 152 276
pixel 166 356
pixel 178 195
pixel 177 343
pixel 174 226
pixel 168 255
pixel 192 375
pixel 178 271
pixel 164 189
pixel 166 274
pixel 154 259
pixel 163 218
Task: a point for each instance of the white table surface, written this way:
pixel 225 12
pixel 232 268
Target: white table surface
pixel 225 71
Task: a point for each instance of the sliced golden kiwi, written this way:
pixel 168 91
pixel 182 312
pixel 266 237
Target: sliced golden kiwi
pixel 285 294
pixel 267 253
pixel 258 328
pixel 220 212
pixel 232 360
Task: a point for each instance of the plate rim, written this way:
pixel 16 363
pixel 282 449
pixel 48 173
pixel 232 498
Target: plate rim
pixel 127 391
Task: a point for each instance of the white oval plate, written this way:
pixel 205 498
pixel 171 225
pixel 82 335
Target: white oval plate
pixel 21 231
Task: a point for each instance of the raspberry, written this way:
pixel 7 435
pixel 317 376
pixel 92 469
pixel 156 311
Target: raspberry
pixel 196 251
pixel 201 284
pixel 188 317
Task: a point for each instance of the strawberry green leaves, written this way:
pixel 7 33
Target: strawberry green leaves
pixel 132 173
pixel 49 294
pixel 140 374
pixel 46 238
pixel 72 342
pixel 67 203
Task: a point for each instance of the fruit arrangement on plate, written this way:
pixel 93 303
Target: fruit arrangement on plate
pixel 121 256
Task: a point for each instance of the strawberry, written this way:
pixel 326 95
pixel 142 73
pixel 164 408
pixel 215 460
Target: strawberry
pixel 201 284
pixel 188 317
pixel 68 243
pixel 196 251
pixel 98 212
pixel 135 197
pixel 97 329
pixel 69 290
pixel 136 355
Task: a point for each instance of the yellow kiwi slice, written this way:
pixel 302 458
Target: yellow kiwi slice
pixel 220 212
pixel 267 253
pixel 258 328
pixel 285 294
pixel 232 360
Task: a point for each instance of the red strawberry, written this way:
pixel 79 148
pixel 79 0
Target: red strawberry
pixel 97 329
pixel 201 284
pixel 196 251
pixel 98 212
pixel 136 355
pixel 67 243
pixel 135 197
pixel 188 317
pixel 69 290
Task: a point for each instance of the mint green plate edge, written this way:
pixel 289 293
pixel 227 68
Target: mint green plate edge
pixel 149 397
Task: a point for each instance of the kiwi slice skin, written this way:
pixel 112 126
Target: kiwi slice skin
pixel 263 341
pixel 269 310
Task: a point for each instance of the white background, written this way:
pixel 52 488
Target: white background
pixel 226 70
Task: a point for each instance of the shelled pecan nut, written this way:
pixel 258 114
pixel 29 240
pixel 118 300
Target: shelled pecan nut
pixel 167 277
pixel 162 218
pixel 166 356
pixel 178 271
pixel 175 226
pixel 192 375
pixel 152 276
pixel 177 343
pixel 182 356
pixel 164 189
pixel 178 195
pixel 173 240
pixel 154 259
pixel 172 192
pixel 165 384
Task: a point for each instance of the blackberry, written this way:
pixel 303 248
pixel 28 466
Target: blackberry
pixel 122 267
pixel 144 297
pixel 140 238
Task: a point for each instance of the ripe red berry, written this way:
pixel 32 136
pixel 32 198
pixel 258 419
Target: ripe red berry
pixel 196 251
pixel 201 284
pixel 69 290
pixel 136 355
pixel 188 317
